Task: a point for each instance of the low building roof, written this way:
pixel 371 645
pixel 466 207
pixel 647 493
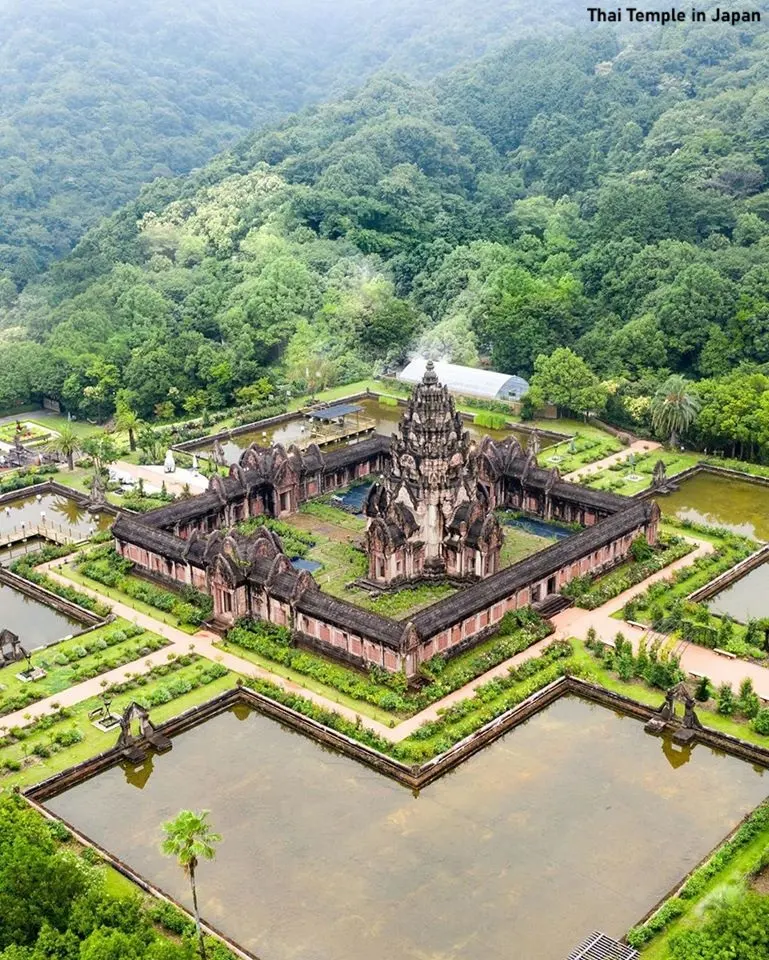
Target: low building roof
pixel 331 413
pixel 470 381
pixel 471 600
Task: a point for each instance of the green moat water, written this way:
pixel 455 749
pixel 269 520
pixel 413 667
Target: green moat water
pixel 746 599
pixel 51 508
pixel 574 821
pixel 33 622
pixel 298 431
pixel 721 501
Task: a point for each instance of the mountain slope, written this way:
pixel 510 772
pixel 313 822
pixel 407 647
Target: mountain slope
pixel 101 96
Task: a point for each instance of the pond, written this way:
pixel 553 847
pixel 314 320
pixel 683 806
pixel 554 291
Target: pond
pixel 575 821
pixel 297 430
pixel 355 497
pixel 539 528
pixel 53 509
pixel 35 623
pixel 745 599
pixel 299 563
pixel 721 501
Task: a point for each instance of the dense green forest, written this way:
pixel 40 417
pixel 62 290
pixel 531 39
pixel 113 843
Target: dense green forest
pixel 102 96
pixel 580 192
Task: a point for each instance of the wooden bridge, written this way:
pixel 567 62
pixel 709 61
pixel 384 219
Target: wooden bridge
pixel 55 532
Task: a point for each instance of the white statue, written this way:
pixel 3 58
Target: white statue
pixel 169 464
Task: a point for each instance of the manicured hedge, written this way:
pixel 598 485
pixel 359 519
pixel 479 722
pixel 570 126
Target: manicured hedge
pixel 25 567
pixel 105 566
pixel 755 824
pixel 589 592
pixel 382 689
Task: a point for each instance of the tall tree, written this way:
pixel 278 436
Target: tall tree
pixel 126 418
pixel 66 443
pixel 674 408
pixel 565 380
pixel 190 838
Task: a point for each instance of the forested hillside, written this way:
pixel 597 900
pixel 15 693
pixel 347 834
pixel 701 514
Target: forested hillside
pixel 572 192
pixel 102 96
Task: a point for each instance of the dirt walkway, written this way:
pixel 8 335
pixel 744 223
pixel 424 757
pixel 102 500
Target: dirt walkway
pixel 637 446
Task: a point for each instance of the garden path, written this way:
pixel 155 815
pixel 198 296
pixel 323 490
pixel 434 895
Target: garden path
pixel 637 446
pixel 572 622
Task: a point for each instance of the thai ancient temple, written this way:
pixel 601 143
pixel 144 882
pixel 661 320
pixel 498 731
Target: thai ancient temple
pixel 429 517
pixel 430 514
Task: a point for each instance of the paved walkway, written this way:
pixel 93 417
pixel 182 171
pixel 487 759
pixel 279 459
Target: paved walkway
pixel 572 622
pixel 154 477
pixel 637 446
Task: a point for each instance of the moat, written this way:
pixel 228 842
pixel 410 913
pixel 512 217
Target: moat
pixel 35 623
pixel 721 501
pixel 574 821
pixel 386 419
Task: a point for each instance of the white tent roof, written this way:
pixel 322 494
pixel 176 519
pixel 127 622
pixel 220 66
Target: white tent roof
pixel 469 381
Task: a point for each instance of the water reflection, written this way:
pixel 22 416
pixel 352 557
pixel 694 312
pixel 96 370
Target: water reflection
pixel 745 599
pixel 52 508
pixel 574 821
pixel 720 501
pixel 138 776
pixel 33 622
pixel 298 431
pixel 676 754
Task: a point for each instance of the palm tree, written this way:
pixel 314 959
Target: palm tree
pixel 189 838
pixel 674 407
pixel 66 443
pixel 127 421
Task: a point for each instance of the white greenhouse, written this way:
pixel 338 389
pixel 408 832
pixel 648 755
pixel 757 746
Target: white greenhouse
pixel 468 381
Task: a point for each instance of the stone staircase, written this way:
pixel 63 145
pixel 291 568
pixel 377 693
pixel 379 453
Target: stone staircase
pixel 553 604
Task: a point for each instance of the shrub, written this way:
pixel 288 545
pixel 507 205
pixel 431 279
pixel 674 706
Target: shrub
pixel 725 699
pixel 492 421
pixel 761 722
pixel 702 693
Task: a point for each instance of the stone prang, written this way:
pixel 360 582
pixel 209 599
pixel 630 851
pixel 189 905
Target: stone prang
pixel 429 517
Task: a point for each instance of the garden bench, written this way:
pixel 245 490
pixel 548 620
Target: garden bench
pixel 725 653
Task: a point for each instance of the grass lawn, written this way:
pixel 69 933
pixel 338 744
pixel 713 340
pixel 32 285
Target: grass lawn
pixel 360 706
pixel 570 455
pixel 95 741
pixel 111 593
pixel 326 512
pixel 615 477
pixel 728 883
pixel 56 422
pixel 592 669
pixel 519 544
pixel 67 663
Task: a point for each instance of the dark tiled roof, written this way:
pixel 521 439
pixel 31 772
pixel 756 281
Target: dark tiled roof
pixel 136 531
pixel 355 453
pixel 349 617
pixel 472 600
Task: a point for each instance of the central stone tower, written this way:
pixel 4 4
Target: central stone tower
pixel 428 517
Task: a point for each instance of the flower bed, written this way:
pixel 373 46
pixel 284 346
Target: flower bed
pixel 589 593
pixel 663 604
pixel 25 567
pixel 389 691
pixel 105 566
pixel 77 660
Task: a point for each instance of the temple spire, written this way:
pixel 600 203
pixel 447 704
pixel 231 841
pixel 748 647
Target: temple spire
pixel 430 376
